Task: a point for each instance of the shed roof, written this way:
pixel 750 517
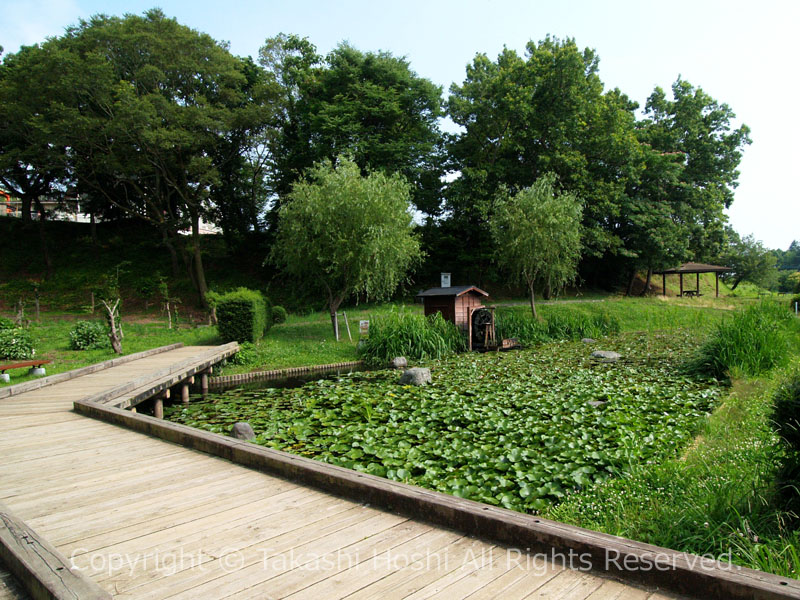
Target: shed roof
pixel 692 267
pixel 456 290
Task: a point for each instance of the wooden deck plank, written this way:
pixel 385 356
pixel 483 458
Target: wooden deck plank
pixel 242 568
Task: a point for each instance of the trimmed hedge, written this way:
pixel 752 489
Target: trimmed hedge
pixel 243 316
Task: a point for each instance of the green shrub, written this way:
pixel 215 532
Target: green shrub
pixel 278 315
pixel 786 411
pixel 242 316
pixel 752 342
pixel 88 335
pixel 786 423
pixel 7 324
pixel 247 354
pixel 793 301
pixel 411 335
pixel 16 344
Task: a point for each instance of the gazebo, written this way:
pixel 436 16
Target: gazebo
pixel 688 268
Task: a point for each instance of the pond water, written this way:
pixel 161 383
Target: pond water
pixel 520 430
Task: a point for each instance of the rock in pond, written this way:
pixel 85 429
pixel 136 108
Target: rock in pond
pixel 416 376
pixel 243 431
pixel 606 356
pixel 398 362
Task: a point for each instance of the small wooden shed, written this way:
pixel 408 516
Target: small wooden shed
pixel 455 303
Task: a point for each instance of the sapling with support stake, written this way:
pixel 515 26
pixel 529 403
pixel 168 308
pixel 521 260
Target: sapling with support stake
pixel 168 302
pixel 110 298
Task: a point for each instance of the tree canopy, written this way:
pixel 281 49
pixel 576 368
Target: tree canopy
pixel 370 106
pixel 142 116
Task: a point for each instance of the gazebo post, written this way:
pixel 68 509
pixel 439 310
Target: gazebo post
pixel 681 277
pixel 698 284
pixel 663 284
pixel 717 282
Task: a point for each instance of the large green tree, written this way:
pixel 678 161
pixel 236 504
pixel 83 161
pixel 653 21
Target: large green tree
pixel 698 130
pixel 749 259
pixel 154 112
pixel 546 112
pixel 31 157
pixel 370 106
pixel 538 235
pixel 344 233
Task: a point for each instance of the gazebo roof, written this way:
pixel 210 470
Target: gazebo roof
pixel 692 267
pixel 456 290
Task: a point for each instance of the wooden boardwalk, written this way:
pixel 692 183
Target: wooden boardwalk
pixel 146 518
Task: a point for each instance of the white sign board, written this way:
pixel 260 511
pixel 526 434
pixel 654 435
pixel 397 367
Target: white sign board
pixel 363 328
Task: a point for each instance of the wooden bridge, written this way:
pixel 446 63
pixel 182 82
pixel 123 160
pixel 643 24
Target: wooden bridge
pixel 92 510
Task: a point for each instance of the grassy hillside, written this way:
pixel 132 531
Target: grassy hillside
pixel 79 263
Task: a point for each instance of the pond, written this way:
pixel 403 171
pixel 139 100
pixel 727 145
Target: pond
pixel 520 430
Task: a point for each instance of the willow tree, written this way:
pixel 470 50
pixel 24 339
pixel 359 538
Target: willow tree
pixel 537 233
pixel 344 233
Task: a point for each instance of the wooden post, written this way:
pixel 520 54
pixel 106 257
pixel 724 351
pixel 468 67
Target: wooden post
pixel 663 284
pixel 698 284
pixel 717 282
pixel 681 276
pixel 185 393
pixel 204 382
pixel 347 323
pixel 158 408
pixel 469 328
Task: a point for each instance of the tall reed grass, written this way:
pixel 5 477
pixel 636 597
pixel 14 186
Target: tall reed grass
pixel 414 336
pixel 566 323
pixel 751 342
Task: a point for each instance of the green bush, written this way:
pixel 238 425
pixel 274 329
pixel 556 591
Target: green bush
pixel 242 316
pixel 247 354
pixel 278 315
pixel 16 344
pixel 7 324
pixel 786 423
pixel 411 335
pixel 795 299
pixel 752 342
pixel 88 335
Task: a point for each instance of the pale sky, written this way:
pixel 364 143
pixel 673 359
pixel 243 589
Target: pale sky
pixel 740 52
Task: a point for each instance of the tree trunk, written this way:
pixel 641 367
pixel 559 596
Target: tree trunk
pixel 533 302
pixel 26 209
pixel 647 281
pixel 93 220
pixel 547 292
pixel 48 261
pixel 736 282
pixel 200 275
pixel 173 255
pixel 112 317
pixel 333 306
pixel 631 281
